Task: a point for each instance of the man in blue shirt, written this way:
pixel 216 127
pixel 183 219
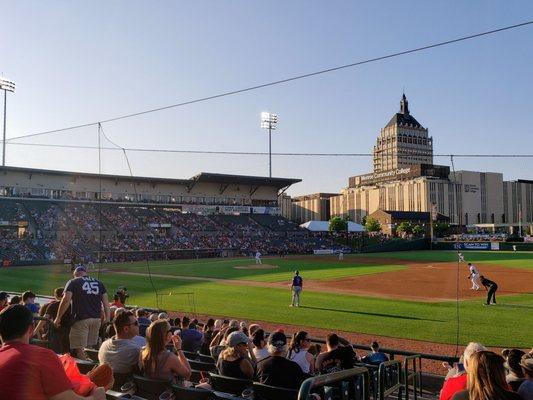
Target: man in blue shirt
pixel 376 357
pixel 296 287
pixel 28 299
pixel 88 296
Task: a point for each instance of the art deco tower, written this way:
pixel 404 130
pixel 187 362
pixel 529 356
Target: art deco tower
pixel 402 142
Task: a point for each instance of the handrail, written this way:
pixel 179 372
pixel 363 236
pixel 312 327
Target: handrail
pixel 326 379
pixel 416 375
pixel 398 385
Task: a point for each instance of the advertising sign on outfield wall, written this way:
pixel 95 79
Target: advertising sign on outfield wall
pixel 472 246
pixel 495 245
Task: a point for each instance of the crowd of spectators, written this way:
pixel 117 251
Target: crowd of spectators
pixel 61 231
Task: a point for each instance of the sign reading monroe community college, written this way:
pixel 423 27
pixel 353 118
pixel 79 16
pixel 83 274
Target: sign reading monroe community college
pixel 413 171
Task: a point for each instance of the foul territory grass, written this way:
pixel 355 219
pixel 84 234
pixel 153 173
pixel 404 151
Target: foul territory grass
pixel 507 324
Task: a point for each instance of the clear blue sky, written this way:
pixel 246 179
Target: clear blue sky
pixel 77 62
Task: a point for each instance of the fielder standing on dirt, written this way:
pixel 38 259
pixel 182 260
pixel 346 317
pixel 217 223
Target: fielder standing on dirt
pixel 474 277
pixel 296 287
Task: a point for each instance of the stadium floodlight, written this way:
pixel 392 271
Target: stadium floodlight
pixel 7 86
pixel 269 121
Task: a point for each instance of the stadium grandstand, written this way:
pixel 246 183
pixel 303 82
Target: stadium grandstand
pixel 55 216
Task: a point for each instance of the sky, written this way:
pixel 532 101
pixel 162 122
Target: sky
pixel 81 62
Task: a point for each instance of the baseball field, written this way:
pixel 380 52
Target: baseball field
pixel 417 295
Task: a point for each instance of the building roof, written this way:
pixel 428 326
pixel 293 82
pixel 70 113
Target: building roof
pixel 313 196
pixel 404 118
pixel 201 177
pixel 412 215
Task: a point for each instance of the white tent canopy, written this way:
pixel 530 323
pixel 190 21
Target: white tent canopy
pixel 323 226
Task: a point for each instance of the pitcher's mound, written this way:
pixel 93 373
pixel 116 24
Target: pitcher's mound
pixel 256 266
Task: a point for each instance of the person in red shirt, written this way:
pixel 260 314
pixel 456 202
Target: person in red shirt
pixel 28 371
pixel 458 383
pixel 116 302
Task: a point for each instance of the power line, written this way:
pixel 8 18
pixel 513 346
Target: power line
pixel 251 153
pixel 281 81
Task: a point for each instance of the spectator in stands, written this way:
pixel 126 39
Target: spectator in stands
pixel 339 355
pixel 15 300
pixel 88 295
pixel 159 363
pixel 163 315
pixel 27 371
pixel 458 382
pixel 28 299
pixel 252 328
pixel 209 329
pixel 298 352
pixel 260 348
pixel 276 370
pixel 185 321
pixel 514 376
pixel 376 357
pixel 120 351
pixel 526 388
pixel 154 317
pixel 233 360
pixel 219 341
pixel 58 337
pixel 191 338
pixel 116 302
pixel 486 379
pixel 3 300
pixel 144 321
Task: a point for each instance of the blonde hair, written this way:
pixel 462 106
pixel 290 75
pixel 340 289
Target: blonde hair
pixel 486 377
pixel 470 349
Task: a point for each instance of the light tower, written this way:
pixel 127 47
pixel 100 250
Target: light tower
pixel 7 86
pixel 269 121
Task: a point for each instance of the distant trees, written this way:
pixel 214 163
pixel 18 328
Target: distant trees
pixel 441 229
pixel 405 228
pixel 338 224
pixel 372 225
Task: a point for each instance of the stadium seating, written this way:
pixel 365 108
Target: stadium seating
pixel 56 231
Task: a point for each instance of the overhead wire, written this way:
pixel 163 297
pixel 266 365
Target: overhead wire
pixel 255 153
pixel 280 81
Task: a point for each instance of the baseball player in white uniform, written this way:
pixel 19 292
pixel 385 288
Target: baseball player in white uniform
pixel 258 257
pixel 474 277
pixel 341 255
pixel 461 257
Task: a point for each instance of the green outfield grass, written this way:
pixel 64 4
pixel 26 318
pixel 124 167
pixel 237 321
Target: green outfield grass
pixel 508 324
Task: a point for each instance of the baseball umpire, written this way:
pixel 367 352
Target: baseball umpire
pixel 491 288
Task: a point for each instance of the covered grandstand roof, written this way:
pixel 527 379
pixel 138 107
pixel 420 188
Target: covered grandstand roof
pixel 201 177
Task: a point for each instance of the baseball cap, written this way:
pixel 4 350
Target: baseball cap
pixel 80 269
pixel 3 296
pixel 237 337
pixel 277 339
pixel 527 362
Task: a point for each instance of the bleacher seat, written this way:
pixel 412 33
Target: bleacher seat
pixel 85 365
pixel 149 388
pixel 202 366
pixel 267 392
pixel 92 354
pixel 207 359
pixel 183 393
pixel 226 384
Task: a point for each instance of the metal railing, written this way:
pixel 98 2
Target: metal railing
pixel 414 374
pixel 357 379
pixel 389 379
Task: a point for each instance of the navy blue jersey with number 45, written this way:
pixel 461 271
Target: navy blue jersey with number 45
pixel 86 297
